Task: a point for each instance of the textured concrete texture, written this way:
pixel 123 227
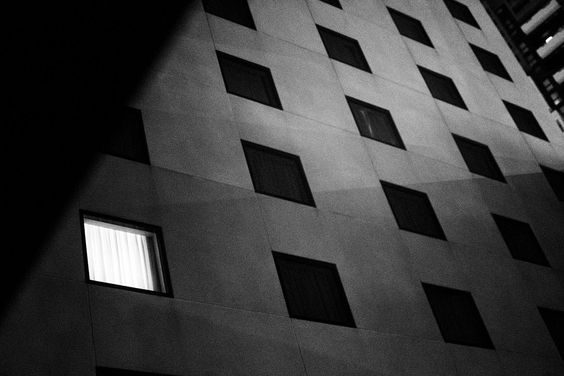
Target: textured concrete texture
pixel 227 315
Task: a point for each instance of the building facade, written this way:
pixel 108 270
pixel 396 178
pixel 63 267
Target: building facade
pixel 535 32
pixel 306 187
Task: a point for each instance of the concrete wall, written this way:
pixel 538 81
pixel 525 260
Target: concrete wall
pixel 228 315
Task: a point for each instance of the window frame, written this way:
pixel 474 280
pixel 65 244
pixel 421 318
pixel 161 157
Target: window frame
pixel 558 342
pixel 349 321
pixel 443 78
pixel 488 59
pixel 334 3
pixel 270 80
pixel 498 218
pixel 120 115
pixel 555 174
pixel 156 230
pixel 381 110
pixel 441 233
pixel 443 329
pixel 514 111
pixel 423 37
pixel 296 158
pixel 462 13
pixel 251 25
pixel 487 154
pixel 364 63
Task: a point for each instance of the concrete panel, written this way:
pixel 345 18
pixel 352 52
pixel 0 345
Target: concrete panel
pixel 545 285
pixel 199 146
pixel 216 244
pixel 121 188
pixel 338 168
pixel 62 254
pixel 474 361
pixel 47 330
pixel 331 350
pixel 289 20
pixel 515 363
pixel 154 334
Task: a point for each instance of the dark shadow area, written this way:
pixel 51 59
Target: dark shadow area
pixel 71 67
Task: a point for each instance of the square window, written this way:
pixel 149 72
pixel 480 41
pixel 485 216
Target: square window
pixel 375 123
pixel 335 3
pixel 525 120
pixel 410 27
pixel 233 10
pixel 479 158
pixel 554 321
pixel 343 49
pixel 461 12
pixel 520 240
pixel 442 87
pixel 312 290
pixel 490 62
pixel 127 138
pixel 555 180
pixel 276 173
pixel 248 80
pixel 413 211
pixel 123 253
pixel 104 371
pixel 457 316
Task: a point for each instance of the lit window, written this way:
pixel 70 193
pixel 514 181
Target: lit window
pixel 124 254
pixel 410 27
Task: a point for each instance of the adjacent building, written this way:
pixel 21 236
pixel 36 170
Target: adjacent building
pixel 307 187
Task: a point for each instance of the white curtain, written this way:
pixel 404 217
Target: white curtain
pixel 120 256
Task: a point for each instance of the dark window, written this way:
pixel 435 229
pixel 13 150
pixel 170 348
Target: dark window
pixel 248 80
pixel 554 321
pixel 442 87
pixel 461 12
pixel 457 316
pixel 313 290
pixel 124 253
pixel 277 173
pixel 375 123
pixel 490 62
pixel 556 180
pixel 478 158
pixel 525 120
pixel 103 371
pixel 520 240
pixel 233 10
pixel 127 136
pixel 410 27
pixel 335 3
pixel 343 49
pixel 413 211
